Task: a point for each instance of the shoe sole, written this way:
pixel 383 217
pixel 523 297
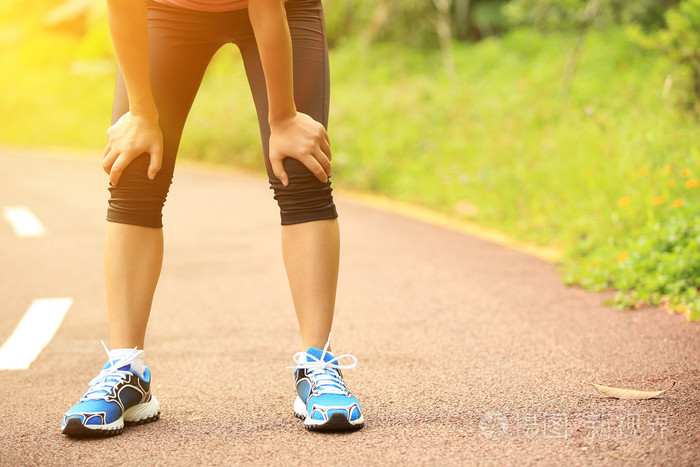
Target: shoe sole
pixel 336 423
pixel 138 415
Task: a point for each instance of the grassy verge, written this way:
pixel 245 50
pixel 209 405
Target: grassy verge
pixel 608 173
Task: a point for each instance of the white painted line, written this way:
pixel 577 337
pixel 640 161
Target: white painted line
pixel 33 333
pixel 23 221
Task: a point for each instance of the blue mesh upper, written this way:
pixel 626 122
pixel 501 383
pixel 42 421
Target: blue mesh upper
pixel 111 410
pixel 340 402
pixel 90 411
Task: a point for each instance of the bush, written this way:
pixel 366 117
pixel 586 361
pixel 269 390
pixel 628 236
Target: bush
pixel 405 22
pixel 545 14
pixel 680 41
pixel 659 265
pixel 567 14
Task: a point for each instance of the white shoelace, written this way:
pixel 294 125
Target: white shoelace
pixel 325 373
pixel 102 384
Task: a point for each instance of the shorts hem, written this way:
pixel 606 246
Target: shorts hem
pixel 139 222
pixel 300 218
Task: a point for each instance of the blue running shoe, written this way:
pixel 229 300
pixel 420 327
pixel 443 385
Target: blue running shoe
pixel 117 396
pixel 323 399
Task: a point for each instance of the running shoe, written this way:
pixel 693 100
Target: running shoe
pixel 323 399
pixel 117 396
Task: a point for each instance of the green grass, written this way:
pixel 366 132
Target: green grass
pixel 595 173
pixel 659 264
pixel 501 137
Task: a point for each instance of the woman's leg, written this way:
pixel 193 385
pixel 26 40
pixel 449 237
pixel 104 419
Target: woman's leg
pixel 181 46
pixel 133 256
pixel 311 255
pixel 310 233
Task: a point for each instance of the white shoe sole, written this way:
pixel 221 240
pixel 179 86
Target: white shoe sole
pixel 142 412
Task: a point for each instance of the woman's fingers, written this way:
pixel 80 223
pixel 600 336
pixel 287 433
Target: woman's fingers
pixel 127 139
pixel 328 142
pixel 304 139
pixel 315 158
pixel 117 169
pixel 156 162
pixel 278 169
pixel 108 161
pixel 313 163
pixel 115 164
pixel 323 161
pixel 326 147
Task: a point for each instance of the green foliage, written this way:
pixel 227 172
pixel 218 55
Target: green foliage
pixel 545 14
pixel 567 14
pixel 409 22
pixel 59 94
pixel 659 264
pixel 647 14
pixel 345 19
pixel 487 17
pixel 680 40
pixel 499 146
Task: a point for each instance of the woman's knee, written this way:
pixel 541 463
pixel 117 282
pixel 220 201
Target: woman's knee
pixel 306 198
pixel 138 200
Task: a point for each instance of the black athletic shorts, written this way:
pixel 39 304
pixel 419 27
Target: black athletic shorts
pixel 182 42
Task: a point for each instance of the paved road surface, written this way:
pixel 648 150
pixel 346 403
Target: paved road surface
pixel 470 353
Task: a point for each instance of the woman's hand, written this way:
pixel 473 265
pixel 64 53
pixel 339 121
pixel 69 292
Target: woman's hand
pixel 304 139
pixel 292 134
pixel 127 139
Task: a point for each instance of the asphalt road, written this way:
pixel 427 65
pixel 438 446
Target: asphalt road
pixel 470 353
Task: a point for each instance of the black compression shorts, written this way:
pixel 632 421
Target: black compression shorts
pixel 182 42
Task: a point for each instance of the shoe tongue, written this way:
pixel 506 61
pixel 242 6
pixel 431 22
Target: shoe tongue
pixel 111 362
pixel 318 352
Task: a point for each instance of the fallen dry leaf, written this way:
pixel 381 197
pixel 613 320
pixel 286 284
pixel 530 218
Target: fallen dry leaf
pixel 621 393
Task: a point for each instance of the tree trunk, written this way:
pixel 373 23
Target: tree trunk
pixel 379 17
pixel 592 8
pixel 460 19
pixel 444 30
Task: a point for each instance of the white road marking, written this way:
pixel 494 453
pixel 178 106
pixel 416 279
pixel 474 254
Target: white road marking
pixel 33 333
pixel 23 221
